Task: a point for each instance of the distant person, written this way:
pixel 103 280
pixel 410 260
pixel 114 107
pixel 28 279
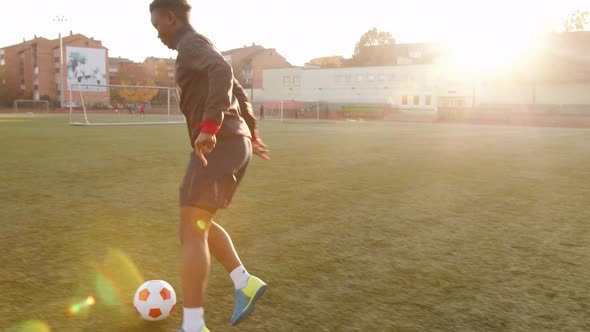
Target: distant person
pixel 129 110
pixel 261 112
pixel 141 110
pixel 222 133
pixel 117 109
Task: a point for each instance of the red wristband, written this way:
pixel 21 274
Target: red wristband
pixel 255 136
pixel 209 127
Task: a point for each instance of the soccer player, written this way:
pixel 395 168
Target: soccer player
pixel 222 132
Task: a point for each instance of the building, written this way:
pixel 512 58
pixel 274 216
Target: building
pixel 248 63
pixel 411 86
pixel 114 64
pixel 151 64
pixel 35 70
pixel 419 53
pixel 557 77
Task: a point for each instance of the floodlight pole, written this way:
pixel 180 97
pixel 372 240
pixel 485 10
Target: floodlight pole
pixel 61 19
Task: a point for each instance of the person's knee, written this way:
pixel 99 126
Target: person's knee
pixel 195 223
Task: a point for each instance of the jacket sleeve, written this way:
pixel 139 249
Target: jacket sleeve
pixel 204 58
pixel 246 111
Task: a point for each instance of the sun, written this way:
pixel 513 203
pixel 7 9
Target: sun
pixel 496 48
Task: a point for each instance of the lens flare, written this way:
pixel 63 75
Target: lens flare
pixel 76 308
pixel 201 224
pixel 116 279
pixel 33 326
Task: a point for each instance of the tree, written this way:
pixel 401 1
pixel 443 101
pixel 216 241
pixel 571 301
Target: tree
pixel 576 21
pixel 328 62
pixel 133 74
pixel 5 94
pixel 375 48
pixel 162 78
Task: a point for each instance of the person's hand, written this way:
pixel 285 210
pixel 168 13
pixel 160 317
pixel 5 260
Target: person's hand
pixel 260 149
pixel 204 144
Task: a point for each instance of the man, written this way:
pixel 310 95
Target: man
pixel 222 131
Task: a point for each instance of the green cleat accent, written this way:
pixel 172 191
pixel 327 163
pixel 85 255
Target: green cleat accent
pixel 203 329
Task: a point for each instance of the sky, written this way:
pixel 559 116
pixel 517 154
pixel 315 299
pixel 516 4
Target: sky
pixel 298 30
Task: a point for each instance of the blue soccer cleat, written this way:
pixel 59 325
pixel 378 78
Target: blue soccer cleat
pixel 246 299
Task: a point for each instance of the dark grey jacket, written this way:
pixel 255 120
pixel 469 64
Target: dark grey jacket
pixel 211 99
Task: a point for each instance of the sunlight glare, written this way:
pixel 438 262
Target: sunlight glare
pixel 494 42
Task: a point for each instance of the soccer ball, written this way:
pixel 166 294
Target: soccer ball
pixel 154 300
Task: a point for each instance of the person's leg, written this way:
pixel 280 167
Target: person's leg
pixel 248 288
pixel 194 227
pixel 222 248
pixel 214 186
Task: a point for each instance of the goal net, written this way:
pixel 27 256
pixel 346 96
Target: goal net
pixel 108 105
pixel 291 110
pixel 30 106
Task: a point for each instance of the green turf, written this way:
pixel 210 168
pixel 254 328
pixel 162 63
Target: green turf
pixel 355 226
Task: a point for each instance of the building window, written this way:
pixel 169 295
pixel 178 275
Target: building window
pixel 416 100
pixel 286 80
pixel 428 100
pixel 347 79
pixel 2 52
pixel 2 62
pixel 371 78
pixel 415 54
pixel 359 78
pixel 296 80
pixel 404 100
pixel 247 71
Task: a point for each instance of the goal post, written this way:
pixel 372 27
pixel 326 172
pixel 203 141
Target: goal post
pixel 301 109
pixel 30 106
pixel 110 105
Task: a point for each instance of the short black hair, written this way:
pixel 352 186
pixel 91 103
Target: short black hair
pixel 180 8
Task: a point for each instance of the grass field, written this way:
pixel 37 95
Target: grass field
pixel 355 226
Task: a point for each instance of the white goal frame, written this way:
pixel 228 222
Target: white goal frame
pixel 316 102
pixel 170 91
pixel 15 104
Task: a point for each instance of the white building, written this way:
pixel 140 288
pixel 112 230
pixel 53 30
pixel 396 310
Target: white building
pixel 558 77
pixel 412 86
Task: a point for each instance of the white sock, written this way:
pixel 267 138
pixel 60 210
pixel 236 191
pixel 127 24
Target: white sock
pixel 193 319
pixel 240 277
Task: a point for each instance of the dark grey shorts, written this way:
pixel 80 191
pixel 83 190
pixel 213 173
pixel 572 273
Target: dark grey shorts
pixel 213 187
